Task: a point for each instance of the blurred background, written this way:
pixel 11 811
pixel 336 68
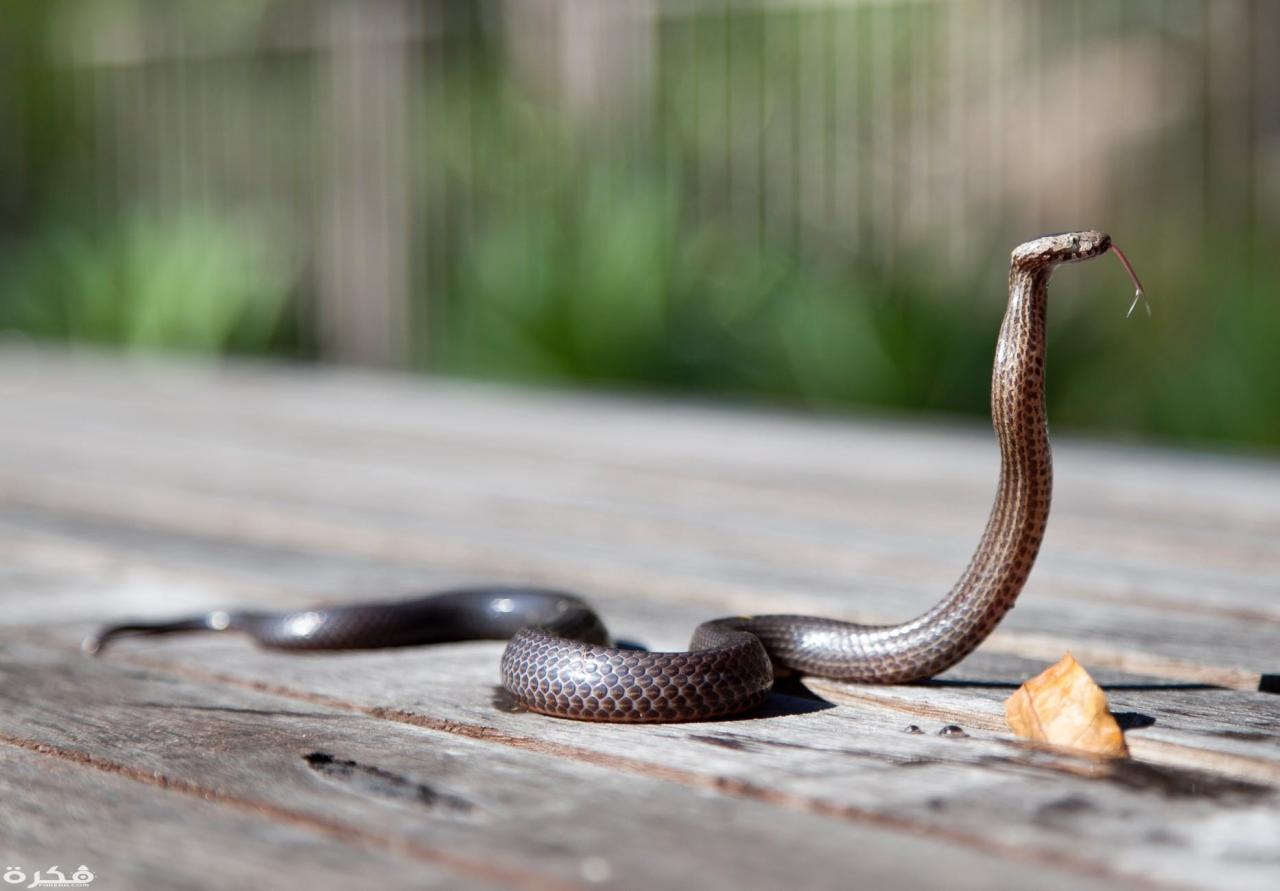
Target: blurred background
pixel 804 203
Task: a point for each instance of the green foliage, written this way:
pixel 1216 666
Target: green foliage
pixel 574 259
pixel 181 281
pixel 1202 369
pixel 624 252
pixel 609 286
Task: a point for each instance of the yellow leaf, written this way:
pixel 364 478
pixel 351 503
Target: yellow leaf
pixel 1062 705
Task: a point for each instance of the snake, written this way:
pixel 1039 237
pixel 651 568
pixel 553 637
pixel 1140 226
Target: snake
pixel 559 660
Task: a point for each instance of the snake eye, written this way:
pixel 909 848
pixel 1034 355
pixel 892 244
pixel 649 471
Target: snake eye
pixel 1075 241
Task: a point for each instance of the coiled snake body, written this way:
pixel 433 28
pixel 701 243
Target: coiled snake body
pixel 558 661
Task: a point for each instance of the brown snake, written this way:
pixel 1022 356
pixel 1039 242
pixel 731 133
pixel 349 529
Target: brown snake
pixel 558 661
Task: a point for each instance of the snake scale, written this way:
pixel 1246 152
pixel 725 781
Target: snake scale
pixel 558 660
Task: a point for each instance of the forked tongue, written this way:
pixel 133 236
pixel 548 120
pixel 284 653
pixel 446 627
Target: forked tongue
pixel 1139 295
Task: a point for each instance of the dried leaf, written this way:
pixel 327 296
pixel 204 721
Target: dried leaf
pixel 1062 705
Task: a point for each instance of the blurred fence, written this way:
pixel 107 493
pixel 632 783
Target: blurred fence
pixel 412 165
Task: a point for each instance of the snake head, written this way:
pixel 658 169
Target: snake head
pixel 1049 251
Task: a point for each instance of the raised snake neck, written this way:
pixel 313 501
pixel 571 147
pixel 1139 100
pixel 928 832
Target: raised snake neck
pixel 557 661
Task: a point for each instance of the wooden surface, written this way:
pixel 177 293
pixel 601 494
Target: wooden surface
pixel 158 489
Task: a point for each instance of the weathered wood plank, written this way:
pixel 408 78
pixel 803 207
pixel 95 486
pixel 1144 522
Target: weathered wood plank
pixel 525 817
pixel 661 558
pixel 131 833
pixel 1232 724
pixel 202 578
pixel 857 764
pixel 379 411
pixel 822 551
pixel 846 472
pixel 390 420
pixel 864 741
pixel 849 474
